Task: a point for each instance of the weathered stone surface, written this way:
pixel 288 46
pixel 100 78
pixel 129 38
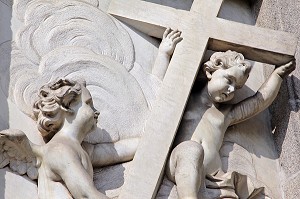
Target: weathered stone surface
pixel 14 186
pixel 291 187
pixel 5 35
pixel 284 15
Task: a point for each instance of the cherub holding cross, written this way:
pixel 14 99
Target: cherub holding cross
pixel 198 155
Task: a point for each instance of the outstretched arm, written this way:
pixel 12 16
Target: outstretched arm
pixel 112 153
pixel 165 51
pixel 263 97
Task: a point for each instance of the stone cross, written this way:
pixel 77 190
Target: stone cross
pixel 201 30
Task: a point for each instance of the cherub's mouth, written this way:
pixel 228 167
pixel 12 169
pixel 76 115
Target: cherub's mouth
pixel 224 95
pixel 96 118
pixel 96 115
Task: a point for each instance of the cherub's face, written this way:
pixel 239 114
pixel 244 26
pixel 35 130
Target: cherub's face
pixel 86 115
pixel 224 82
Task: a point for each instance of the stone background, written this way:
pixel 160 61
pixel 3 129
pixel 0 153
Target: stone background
pixel 285 16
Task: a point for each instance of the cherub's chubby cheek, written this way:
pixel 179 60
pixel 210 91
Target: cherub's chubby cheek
pixel 216 90
pixel 221 95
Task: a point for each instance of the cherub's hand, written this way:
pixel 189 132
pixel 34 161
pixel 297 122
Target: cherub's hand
pixel 169 41
pixel 286 69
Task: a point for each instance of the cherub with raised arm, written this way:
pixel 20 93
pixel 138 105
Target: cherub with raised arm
pixel 198 155
pixel 65 115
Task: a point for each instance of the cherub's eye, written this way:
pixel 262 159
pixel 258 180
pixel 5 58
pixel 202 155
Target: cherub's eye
pixel 47 114
pixel 229 81
pixel 244 64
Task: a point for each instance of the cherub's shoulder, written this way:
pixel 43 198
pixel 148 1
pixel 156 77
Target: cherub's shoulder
pixel 58 150
pixel 59 155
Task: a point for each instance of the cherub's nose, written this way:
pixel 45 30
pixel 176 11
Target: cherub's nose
pixel 231 89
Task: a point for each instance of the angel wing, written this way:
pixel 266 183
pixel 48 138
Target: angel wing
pixel 16 151
pixel 75 39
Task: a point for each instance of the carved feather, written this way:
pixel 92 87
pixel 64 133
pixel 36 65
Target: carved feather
pixel 16 151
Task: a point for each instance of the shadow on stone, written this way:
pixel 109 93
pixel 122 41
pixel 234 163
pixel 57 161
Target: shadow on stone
pixel 5 60
pixel 287 100
pixel 255 6
pixel 178 4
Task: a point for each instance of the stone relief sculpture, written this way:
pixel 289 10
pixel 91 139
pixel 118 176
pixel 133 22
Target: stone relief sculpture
pixel 197 156
pixel 65 115
pixel 75 39
pixel 52 44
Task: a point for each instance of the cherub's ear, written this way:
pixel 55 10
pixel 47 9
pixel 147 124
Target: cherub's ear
pixel 208 75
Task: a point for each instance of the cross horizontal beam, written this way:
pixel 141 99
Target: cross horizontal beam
pixel 258 44
pixel 138 15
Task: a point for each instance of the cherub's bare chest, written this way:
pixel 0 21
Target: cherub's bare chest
pixel 58 156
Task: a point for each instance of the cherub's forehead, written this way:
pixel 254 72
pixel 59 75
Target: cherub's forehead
pixel 238 74
pixel 85 94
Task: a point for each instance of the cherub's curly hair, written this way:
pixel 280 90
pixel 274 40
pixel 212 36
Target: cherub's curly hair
pixel 54 98
pixel 226 60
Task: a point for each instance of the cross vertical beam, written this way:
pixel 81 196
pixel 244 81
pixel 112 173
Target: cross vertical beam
pixel 212 8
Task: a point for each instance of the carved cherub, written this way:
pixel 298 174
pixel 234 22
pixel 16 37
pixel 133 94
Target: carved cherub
pixel 65 115
pixel 198 155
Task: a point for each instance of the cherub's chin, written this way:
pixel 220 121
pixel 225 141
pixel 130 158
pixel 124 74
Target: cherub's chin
pixel 93 127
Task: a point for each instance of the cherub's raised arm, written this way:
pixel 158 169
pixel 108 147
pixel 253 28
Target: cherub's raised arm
pixel 112 153
pixel 263 97
pixel 165 51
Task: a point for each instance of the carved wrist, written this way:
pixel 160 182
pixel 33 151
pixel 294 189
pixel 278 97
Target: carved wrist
pixel 163 54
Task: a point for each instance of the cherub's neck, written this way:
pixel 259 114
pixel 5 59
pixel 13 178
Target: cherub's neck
pixel 205 98
pixel 74 134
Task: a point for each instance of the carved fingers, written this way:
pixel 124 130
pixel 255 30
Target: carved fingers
pixel 286 69
pixel 166 33
pixel 170 39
